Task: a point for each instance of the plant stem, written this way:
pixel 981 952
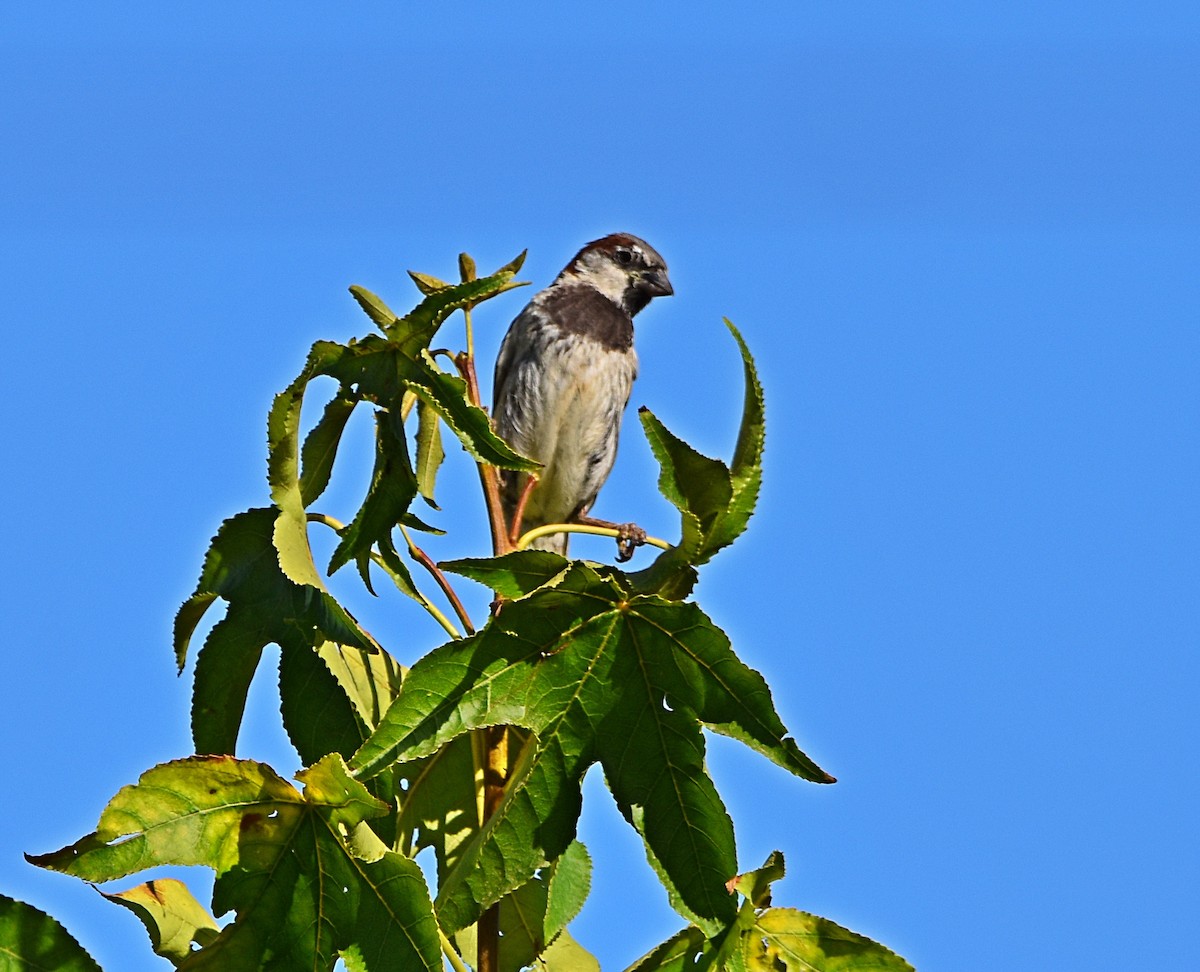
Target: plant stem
pixel 447 625
pixel 527 538
pixel 451 955
pixel 470 333
pixel 518 517
pixel 488 476
pixel 421 557
pixel 495 776
pixel 495 738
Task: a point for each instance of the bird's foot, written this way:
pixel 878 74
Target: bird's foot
pixel 630 536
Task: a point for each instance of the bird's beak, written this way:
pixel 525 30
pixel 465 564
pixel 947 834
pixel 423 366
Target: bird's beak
pixel 656 283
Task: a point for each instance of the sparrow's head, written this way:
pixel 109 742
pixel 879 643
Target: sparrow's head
pixel 628 271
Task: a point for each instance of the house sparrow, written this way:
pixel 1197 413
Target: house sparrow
pixel 563 378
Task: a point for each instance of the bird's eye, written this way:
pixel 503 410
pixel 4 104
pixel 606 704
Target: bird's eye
pixel 624 256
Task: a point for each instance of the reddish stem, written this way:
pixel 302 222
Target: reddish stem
pixel 426 561
pixel 488 476
pixel 495 737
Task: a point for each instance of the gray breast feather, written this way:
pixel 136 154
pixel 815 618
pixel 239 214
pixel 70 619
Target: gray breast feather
pixel 559 398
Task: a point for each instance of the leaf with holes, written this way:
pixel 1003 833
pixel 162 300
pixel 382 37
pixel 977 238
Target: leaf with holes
pixel 533 916
pixel 787 940
pixel 285 861
pixel 597 674
pixel 765 939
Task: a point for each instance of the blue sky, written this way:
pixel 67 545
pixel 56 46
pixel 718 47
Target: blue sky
pixel 961 240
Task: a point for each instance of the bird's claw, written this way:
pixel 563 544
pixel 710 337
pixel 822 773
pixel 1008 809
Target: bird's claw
pixel 630 536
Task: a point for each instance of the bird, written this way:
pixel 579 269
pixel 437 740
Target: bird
pixel 563 377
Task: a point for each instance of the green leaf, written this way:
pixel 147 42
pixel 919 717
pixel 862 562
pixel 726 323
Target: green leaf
pixel 318 716
pixel 569 881
pixel 32 941
pixel 466 267
pixel 173 918
pixel 384 371
pixel 188 617
pixel 700 670
pixel 514 265
pixel 429 450
pixel 414 522
pixel 283 472
pixel 321 445
pixel 755 886
pixel 426 283
pixel 376 309
pixel 370 680
pixel 225 668
pixel 442 804
pixel 764 939
pixel 380 371
pixel 372 376
pixel 284 863
pixel 671 575
pixel 596 675
pixel 566 955
pixel 535 914
pixel 747 454
pixel 393 487
pixel 514 574
pixel 332 699
pixel 447 395
pixel 715 501
pixel 417 328
pixel 265 607
pixel 188 811
pixel 679 953
pixel 695 484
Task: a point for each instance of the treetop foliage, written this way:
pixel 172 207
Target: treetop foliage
pixel 479 749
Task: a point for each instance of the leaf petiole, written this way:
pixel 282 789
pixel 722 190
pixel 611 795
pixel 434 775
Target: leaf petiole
pixel 543 531
pixel 451 955
pixel 337 527
pixel 421 557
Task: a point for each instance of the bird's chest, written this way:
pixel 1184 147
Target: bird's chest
pixel 587 386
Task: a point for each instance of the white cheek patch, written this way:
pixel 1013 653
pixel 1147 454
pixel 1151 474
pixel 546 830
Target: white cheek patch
pixel 606 277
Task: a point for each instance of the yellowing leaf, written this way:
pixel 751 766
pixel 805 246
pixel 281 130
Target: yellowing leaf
pixel 774 940
pixel 286 862
pixel 173 918
pixel 426 283
pixel 786 940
